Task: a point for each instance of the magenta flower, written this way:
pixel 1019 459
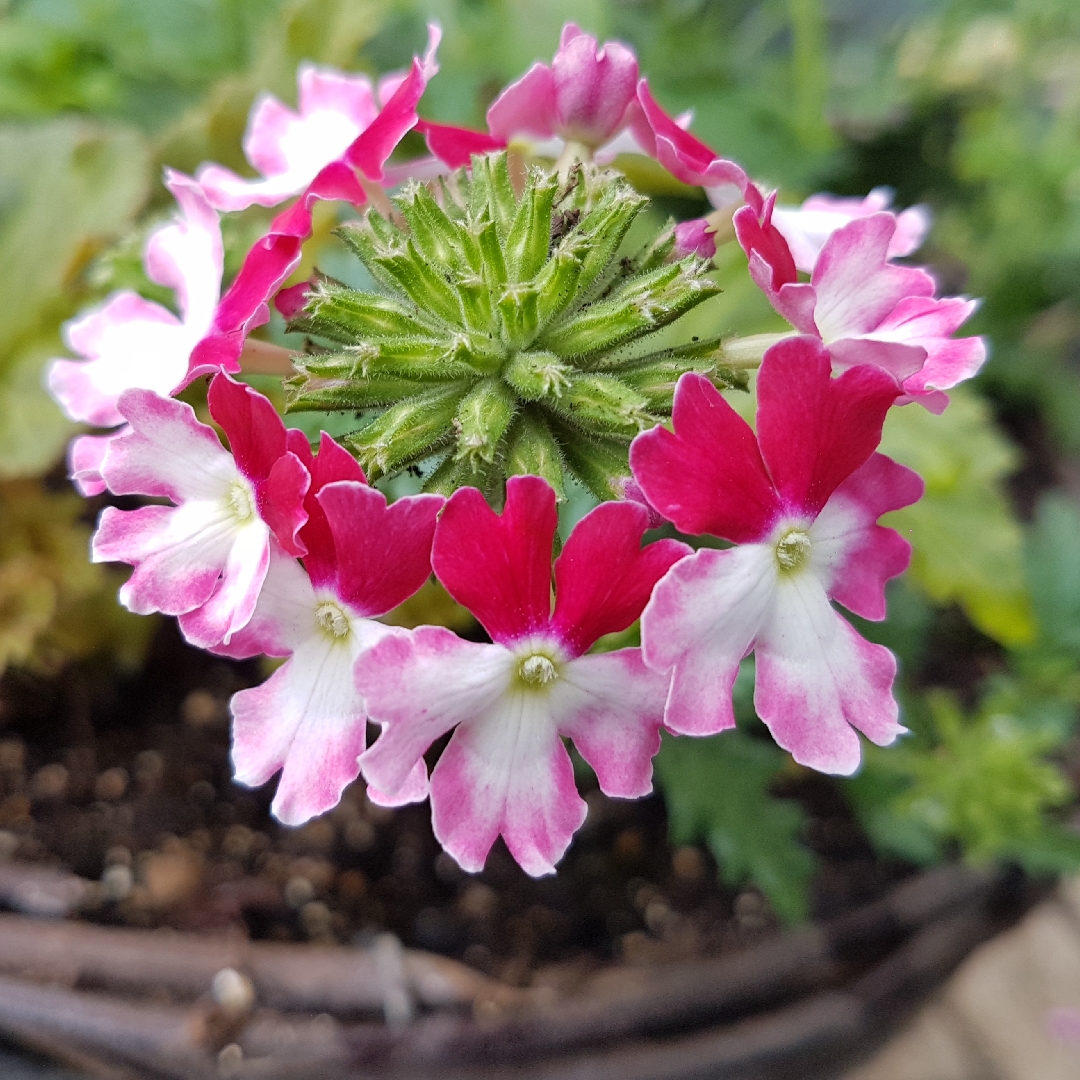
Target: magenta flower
pixel 801 500
pixel 205 558
pixel 696 237
pixel 363 559
pixel 582 97
pixel 806 228
pixel 274 257
pixel 130 342
pixel 505 770
pixel 863 307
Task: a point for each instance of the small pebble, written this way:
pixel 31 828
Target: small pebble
pixel 201 708
pixel 298 891
pixel 49 782
pixel 688 863
pixel 478 901
pixel 117 882
pixel 233 992
pixel 111 784
pixel 230 1060
pixel 9 842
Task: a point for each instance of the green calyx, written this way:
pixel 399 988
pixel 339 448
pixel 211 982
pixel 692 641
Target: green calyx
pixel 512 333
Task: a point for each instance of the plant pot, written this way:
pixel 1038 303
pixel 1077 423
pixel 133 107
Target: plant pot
pixel 806 1003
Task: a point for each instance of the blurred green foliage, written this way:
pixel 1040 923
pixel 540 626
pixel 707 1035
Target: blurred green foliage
pixel 971 106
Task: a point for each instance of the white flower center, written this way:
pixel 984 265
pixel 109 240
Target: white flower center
pixel 241 501
pixel 537 670
pixel 793 550
pixel 332 620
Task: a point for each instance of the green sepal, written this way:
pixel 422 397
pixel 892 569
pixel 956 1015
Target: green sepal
pixel 601 464
pixel 536 375
pixel 408 431
pixel 306 392
pixel 482 419
pixel 425 288
pixel 602 403
pixel 532 451
pixel 530 236
pixel 342 314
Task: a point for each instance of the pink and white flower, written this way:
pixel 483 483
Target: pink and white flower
pixel 582 97
pixel 806 228
pixel 276 255
pixel 205 558
pixel 505 770
pixel 131 342
pixel 801 500
pixel 363 559
pixel 863 307
pixel 289 148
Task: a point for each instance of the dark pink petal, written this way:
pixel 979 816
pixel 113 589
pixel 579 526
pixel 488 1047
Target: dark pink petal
pixel 856 285
pixel 280 499
pixel 695 237
pixel 266 267
pixel 418 685
pixel 332 463
pixel 815 431
pixel 526 107
pixel 707 476
pixel 854 556
pixel 383 552
pixel 592 87
pixel 604 577
pixel 701 621
pixel 290 302
pixel 612 707
pixel 255 431
pixel 85 456
pixel 374 145
pixel 499 565
pixel 756 233
pixel 686 158
pixel 455 146
pixel 817 680
pixel 507 772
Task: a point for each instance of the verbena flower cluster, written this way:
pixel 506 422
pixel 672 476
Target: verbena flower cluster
pixel 518 342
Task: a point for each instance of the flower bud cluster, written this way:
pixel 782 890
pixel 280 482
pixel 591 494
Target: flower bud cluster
pixel 512 336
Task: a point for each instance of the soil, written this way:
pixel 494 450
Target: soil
pixel 128 783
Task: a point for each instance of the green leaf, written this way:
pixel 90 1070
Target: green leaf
pixel 1054 572
pixel 967 546
pixel 67 188
pixel 716 790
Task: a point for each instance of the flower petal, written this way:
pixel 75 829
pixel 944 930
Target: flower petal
pixel 129 342
pixel 499 565
pixel 177 551
pixel 505 771
pixel 383 552
pixel 814 430
pixel 818 680
pixel 854 556
pixel 612 706
pixel 687 159
pixel 85 455
pixel 418 685
pixel 592 87
pixel 232 603
pixel 187 255
pixel 856 285
pixel 526 107
pixel 699 624
pixel 455 146
pixel 284 616
pixel 167 453
pixel 707 476
pixel 604 577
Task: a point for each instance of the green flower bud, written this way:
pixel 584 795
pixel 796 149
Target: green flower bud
pixel 511 333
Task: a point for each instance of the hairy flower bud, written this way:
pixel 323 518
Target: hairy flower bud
pixel 512 334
